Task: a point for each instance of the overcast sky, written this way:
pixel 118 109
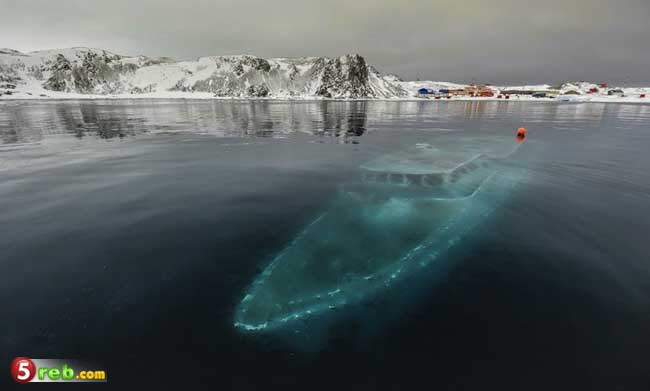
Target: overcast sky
pixel 497 41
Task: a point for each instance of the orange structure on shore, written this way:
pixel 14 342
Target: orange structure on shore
pixel 479 90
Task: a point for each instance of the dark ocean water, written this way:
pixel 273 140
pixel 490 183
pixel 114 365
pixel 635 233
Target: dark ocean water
pixel 130 230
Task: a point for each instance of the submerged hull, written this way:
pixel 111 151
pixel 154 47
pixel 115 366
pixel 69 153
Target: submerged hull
pixel 373 235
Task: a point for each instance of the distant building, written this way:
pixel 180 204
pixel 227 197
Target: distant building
pixel 517 92
pixel 448 91
pixel 478 90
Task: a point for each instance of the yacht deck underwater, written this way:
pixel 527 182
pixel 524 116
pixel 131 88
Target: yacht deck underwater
pixel 405 211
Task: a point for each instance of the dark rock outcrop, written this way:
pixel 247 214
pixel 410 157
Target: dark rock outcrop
pixel 60 79
pixel 93 73
pixel 258 91
pixel 345 76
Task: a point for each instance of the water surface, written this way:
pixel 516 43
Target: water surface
pixel 129 231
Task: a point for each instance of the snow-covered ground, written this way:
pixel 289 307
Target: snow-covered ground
pixel 86 73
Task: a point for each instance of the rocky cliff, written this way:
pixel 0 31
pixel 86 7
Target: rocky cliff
pixel 99 72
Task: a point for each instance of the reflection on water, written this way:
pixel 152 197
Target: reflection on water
pixel 24 122
pixel 32 121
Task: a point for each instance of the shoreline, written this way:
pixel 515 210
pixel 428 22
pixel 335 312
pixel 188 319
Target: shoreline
pixel 206 97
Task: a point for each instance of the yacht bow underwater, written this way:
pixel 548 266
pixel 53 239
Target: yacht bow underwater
pixel 405 211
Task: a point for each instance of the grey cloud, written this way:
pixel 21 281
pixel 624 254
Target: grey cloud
pixel 493 41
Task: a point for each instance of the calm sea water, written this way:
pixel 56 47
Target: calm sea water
pixel 129 231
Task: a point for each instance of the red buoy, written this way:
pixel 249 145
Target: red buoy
pixel 521 134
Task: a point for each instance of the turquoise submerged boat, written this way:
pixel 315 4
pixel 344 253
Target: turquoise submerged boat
pixel 405 211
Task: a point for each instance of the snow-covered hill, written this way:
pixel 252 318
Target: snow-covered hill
pixel 96 73
pixel 69 72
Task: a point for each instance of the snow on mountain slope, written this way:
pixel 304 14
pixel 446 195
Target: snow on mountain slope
pixel 88 71
pixel 95 73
